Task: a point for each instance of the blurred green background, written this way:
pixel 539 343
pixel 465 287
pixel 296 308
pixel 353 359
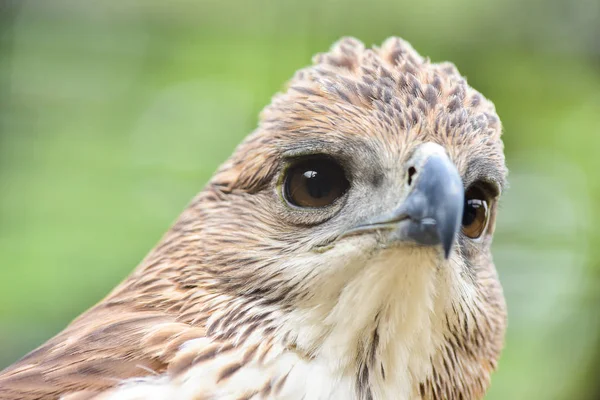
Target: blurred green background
pixel 113 114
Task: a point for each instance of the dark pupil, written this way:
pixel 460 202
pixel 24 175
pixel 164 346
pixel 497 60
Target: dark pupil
pixel 470 211
pixel 318 184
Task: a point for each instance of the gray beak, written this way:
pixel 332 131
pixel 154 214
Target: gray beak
pixel 435 204
pixel 432 212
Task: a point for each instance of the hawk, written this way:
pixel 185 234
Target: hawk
pixel 342 252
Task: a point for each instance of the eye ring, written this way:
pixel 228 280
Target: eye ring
pixel 476 212
pixel 314 182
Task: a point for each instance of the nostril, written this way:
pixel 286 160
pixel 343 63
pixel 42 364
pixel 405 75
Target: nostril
pixel 411 172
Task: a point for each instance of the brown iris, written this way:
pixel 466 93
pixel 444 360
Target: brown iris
pixel 314 182
pixel 475 213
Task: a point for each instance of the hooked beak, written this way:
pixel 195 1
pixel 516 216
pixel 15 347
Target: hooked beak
pixel 432 212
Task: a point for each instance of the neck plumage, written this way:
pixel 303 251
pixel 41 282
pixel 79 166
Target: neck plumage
pixel 383 326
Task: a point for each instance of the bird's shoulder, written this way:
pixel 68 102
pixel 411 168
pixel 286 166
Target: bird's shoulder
pixel 114 354
pixel 96 352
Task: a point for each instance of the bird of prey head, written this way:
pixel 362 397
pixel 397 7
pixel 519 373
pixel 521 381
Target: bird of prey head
pixel 342 252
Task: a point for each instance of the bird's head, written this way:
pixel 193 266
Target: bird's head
pixel 366 198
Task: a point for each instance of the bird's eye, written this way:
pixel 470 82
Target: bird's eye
pixel 475 213
pixel 314 183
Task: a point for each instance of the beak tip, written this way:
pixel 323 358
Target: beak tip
pixel 447 252
pixel 447 243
